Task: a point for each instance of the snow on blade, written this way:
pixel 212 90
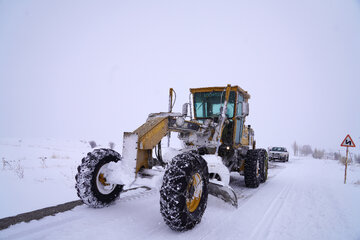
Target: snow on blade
pixel 123 172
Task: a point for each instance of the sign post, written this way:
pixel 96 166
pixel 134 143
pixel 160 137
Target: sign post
pixel 346 160
pixel 347 142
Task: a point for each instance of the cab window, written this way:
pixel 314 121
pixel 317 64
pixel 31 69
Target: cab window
pixel 209 104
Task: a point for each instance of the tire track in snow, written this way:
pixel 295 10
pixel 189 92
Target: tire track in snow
pixel 227 219
pixel 134 196
pixel 263 228
pixel 244 195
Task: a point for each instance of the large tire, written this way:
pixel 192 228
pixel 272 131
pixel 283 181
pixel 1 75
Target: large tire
pixel 184 192
pixel 252 169
pixel 263 158
pixel 91 184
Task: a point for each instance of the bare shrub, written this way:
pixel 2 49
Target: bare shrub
pixel 92 144
pixel 19 170
pixel 318 154
pixel 4 163
pixel 43 162
pixel 343 160
pixel 57 156
pixel 111 145
pixel 357 158
pixel 306 150
pixel 295 148
pixel 9 165
pixel 337 156
pixel 13 166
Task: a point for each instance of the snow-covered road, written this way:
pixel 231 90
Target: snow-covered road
pixel 302 199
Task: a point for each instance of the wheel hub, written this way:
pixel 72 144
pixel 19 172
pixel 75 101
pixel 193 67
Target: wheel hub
pixel 102 180
pixel 193 193
pixel 101 184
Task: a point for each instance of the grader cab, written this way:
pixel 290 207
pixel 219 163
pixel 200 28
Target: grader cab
pixel 216 142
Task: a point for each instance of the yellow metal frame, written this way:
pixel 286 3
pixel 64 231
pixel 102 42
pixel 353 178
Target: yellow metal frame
pixel 150 134
pixel 218 89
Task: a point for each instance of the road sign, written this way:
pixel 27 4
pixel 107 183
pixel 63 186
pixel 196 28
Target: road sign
pixel 348 142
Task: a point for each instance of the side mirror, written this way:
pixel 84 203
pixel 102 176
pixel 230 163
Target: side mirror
pixel 245 109
pixel 185 109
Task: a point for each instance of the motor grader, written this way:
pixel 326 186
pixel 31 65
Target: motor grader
pixel 215 140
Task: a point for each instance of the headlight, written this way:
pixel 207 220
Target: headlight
pixel 180 121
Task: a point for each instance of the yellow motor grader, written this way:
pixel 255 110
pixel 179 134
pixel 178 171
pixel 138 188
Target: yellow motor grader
pixel 215 140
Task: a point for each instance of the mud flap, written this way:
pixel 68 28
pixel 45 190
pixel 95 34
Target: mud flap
pixel 225 193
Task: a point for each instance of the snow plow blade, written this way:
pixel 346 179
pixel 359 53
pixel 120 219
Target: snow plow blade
pixel 225 193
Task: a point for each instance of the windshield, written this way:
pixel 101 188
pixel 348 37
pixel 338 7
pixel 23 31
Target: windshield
pixel 278 149
pixel 208 104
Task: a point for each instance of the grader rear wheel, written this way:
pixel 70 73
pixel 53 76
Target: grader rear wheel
pixel 252 169
pixel 256 167
pixel 263 159
pixel 184 192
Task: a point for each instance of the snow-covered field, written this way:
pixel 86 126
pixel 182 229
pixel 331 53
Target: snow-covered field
pixel 302 199
pixel 37 173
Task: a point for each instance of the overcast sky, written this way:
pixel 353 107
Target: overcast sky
pixel 93 69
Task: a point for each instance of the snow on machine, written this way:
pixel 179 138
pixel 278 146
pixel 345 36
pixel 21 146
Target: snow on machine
pixel 215 139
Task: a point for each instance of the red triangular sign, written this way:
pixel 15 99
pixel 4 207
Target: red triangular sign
pixel 348 142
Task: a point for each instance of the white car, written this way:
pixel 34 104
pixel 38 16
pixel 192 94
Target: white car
pixel 278 153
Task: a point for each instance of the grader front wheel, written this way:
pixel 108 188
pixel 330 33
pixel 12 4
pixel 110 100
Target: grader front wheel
pixel 184 192
pixel 193 192
pixel 91 184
